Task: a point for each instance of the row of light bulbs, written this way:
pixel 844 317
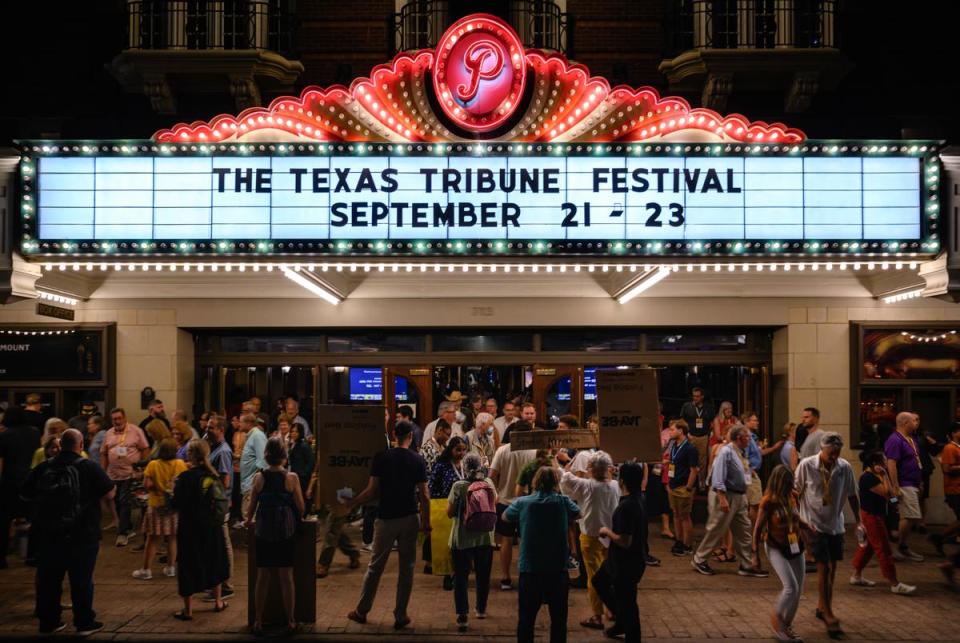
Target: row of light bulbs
pixel 474 267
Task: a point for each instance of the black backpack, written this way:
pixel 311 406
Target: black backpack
pixel 60 503
pixel 216 501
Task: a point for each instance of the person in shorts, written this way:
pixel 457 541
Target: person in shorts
pixel 682 471
pixel 504 470
pixel 906 477
pixel 823 482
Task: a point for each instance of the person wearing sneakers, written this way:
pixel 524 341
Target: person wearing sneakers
pixel 66 546
pixel 875 492
pixel 822 483
pixel 504 470
pixel 682 472
pixel 906 478
pixel 123 446
pixel 778 530
pixel 399 479
pixel 161 519
pixel 728 507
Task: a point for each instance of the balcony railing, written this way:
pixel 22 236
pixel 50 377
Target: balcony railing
pixel 208 24
pixel 752 24
pixel 540 24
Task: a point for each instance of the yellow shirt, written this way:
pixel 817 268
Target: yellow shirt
pixel 38 457
pixel 163 473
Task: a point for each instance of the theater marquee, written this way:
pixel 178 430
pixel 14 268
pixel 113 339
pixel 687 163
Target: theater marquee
pixel 479 148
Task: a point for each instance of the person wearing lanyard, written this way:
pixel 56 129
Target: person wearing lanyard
pixel 699 417
pixel 123 446
pixel 905 472
pixel 778 529
pixel 727 503
pixel 682 471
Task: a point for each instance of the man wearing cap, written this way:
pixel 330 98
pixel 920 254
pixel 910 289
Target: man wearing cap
pixel 446 411
pixel 823 481
pixel 79 421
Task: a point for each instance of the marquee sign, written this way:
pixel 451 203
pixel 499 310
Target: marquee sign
pixel 479 147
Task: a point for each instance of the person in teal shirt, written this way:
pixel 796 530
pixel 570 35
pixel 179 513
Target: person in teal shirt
pixel 251 458
pixel 544 518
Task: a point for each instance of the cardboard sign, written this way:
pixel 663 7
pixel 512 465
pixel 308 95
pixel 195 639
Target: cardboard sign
pixel 546 439
pixel 629 418
pixel 348 437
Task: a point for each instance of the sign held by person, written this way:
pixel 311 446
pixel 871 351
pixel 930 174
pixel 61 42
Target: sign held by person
pixel 629 414
pixel 550 439
pixel 348 438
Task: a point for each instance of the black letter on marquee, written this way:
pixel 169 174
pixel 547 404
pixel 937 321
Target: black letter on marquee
pixel 263 179
pixel 297 173
pixel 339 217
pixel 246 178
pixel 428 172
pixel 221 173
pixel 388 176
pixel 321 179
pixel 511 215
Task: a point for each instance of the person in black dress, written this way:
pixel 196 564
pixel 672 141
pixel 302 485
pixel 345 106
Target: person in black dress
pixel 277 502
pixel 202 562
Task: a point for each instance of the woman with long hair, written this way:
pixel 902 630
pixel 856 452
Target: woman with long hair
pixel 201 551
pixel 469 546
pixel 778 528
pixel 447 470
pixel 160 521
pixel 277 502
pixel 180 431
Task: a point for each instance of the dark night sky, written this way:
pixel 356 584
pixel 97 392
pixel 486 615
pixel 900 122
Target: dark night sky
pixel 904 80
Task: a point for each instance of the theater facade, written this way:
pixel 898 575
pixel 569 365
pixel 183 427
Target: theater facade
pixel 480 216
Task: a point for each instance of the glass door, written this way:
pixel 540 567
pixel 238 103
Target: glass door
pixel 272 384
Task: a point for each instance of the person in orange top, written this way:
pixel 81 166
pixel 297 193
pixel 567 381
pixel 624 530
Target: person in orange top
pixel 950 464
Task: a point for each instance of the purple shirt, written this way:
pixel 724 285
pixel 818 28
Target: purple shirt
pixel 903 450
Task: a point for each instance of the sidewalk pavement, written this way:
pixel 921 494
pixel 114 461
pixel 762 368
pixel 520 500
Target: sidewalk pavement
pixel 675 604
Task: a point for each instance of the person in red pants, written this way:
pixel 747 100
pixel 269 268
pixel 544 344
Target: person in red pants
pixel 875 495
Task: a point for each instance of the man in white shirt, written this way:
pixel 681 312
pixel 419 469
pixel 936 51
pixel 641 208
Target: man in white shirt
pixel 823 482
pixel 597 497
pixel 509 417
pixel 448 412
pixel 504 471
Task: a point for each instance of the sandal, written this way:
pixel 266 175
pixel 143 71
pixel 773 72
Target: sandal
pixel 724 556
pixel 594 622
pixel 181 616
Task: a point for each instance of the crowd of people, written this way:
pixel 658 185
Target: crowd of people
pixel 459 492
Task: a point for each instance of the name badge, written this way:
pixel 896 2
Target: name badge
pixel 121 451
pixel 657 469
pixel 699 423
pixel 672 471
pixel 794 543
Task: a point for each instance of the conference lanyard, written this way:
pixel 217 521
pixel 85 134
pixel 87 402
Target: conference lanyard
pixel 675 449
pixel 913 446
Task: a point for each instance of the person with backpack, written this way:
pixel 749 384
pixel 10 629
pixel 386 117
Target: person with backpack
pixel 161 518
pixel 201 503
pixel 472 504
pixel 67 490
pixel 277 502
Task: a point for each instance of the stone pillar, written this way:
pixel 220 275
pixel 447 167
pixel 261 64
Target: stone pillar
pixel 746 24
pixel 701 23
pixel 784 13
pixel 215 25
pixel 176 23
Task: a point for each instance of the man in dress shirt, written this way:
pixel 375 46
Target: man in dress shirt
pixel 727 503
